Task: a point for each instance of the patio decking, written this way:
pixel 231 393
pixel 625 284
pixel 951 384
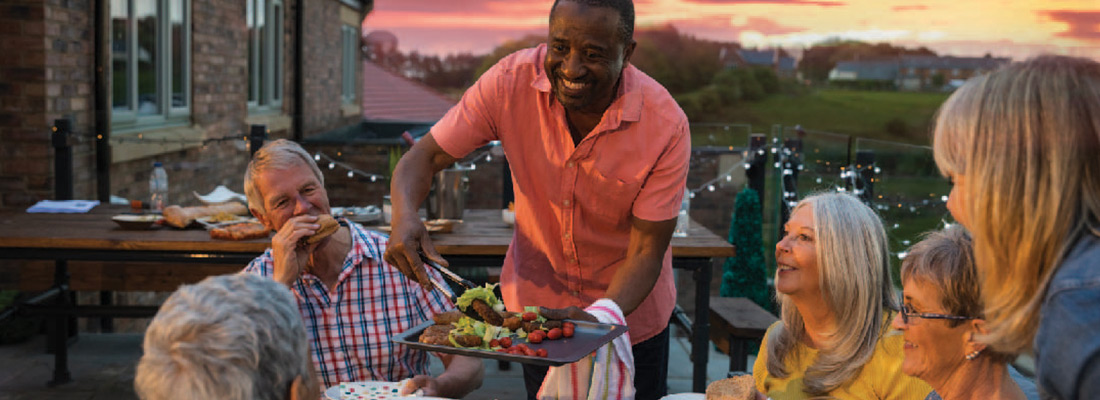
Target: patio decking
pixel 102 367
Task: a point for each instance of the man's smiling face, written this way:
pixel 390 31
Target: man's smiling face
pixel 585 56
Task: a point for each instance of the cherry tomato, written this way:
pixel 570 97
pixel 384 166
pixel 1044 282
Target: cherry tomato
pixel 529 352
pixel 540 353
pixel 554 334
pixel 535 337
pixel 530 316
pixel 494 343
pixel 567 331
pixel 506 342
pixel 502 350
pixel 569 325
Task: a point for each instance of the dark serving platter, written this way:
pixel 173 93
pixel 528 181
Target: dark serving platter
pixel 587 337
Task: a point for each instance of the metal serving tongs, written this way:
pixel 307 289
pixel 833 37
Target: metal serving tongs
pixel 445 289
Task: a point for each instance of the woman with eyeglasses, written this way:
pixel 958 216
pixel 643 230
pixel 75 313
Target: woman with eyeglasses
pixel 940 317
pixel 833 283
pixel 1022 147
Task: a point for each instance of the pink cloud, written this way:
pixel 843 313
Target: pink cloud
pixel 909 8
pixel 823 3
pixel 1082 25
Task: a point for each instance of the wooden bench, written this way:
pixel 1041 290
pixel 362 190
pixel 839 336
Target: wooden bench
pixel 735 323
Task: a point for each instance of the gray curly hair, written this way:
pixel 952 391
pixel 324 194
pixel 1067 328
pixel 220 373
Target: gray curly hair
pixel 227 337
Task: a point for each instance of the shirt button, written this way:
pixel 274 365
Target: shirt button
pixel 565 203
pixel 569 164
pixel 567 236
pixel 576 293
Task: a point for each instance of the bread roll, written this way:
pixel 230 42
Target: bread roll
pixel 328 227
pixel 740 387
pixel 181 217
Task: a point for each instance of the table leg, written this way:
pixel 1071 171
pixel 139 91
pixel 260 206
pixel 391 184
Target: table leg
pixel 701 326
pixel 59 335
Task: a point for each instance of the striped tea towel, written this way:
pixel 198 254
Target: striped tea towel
pixel 607 373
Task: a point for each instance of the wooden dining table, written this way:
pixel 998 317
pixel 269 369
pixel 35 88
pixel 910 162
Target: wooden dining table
pixel 481 240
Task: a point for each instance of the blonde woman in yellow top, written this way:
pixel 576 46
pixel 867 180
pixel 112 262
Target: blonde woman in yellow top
pixel 833 284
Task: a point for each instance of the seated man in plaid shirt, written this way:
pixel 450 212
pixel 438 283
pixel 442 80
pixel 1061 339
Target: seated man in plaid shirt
pixel 352 302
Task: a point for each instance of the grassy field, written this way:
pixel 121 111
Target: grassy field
pixel 858 113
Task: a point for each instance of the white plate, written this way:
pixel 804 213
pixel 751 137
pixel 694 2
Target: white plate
pixel 372 390
pixel 358 214
pixel 220 194
pixel 209 222
pixel 685 396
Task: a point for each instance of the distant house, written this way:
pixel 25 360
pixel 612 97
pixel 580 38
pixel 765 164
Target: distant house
pixel 922 72
pixel 871 70
pixel 913 72
pixel 783 64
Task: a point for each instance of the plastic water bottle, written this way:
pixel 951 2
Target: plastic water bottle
pixel 683 220
pixel 158 188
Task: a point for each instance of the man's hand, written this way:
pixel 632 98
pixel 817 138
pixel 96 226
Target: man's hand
pixel 461 375
pixel 427 386
pixel 408 239
pixel 289 258
pixel 571 312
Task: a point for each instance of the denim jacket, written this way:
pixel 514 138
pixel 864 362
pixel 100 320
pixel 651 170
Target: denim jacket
pixel 1067 346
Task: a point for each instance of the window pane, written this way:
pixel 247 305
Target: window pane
pixel 261 33
pixel 177 41
pixel 120 54
pixel 250 18
pixel 145 11
pixel 277 93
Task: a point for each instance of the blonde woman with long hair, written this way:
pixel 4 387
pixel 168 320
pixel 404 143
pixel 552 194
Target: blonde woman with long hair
pixel 833 284
pixel 1022 146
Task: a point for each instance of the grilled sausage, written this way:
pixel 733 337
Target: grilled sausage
pixel 468 340
pixel 488 314
pixel 513 322
pixel 448 317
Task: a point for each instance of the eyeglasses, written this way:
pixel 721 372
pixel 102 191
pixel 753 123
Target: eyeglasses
pixel 906 312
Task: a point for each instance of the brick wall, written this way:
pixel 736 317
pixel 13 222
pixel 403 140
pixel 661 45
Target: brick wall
pixel 45 74
pixel 321 59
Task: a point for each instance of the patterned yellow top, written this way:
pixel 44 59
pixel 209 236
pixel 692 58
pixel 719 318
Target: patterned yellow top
pixel 880 378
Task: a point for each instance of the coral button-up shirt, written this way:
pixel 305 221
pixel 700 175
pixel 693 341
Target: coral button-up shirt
pixel 574 204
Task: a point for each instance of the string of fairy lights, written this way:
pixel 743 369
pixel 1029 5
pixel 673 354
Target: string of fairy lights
pixel 787 163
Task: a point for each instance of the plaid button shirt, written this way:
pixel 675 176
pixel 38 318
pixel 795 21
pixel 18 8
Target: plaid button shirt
pixel 350 329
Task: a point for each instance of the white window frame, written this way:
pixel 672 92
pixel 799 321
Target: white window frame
pixel 128 119
pixel 266 67
pixel 349 39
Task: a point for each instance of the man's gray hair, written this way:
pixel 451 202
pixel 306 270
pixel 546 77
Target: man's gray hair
pixel 278 154
pixel 232 337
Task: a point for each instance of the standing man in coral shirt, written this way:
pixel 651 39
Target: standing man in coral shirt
pixel 599 154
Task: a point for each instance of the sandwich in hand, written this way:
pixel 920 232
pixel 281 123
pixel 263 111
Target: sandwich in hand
pixel 328 227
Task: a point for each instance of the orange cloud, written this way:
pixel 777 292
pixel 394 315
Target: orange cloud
pixel 823 3
pixel 1082 25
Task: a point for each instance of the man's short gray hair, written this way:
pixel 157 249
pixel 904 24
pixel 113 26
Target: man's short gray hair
pixel 228 337
pixel 278 154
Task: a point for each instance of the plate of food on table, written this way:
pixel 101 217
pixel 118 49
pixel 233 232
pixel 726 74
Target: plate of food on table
pixel 373 390
pixel 481 327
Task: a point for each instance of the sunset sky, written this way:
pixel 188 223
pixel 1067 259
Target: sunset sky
pixel 1012 28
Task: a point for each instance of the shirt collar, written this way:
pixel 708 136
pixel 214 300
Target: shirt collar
pixel 627 106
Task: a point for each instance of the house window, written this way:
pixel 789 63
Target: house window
pixel 265 53
pixel 350 57
pixel 150 62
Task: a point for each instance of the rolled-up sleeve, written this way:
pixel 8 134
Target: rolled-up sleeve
pixel 471 123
